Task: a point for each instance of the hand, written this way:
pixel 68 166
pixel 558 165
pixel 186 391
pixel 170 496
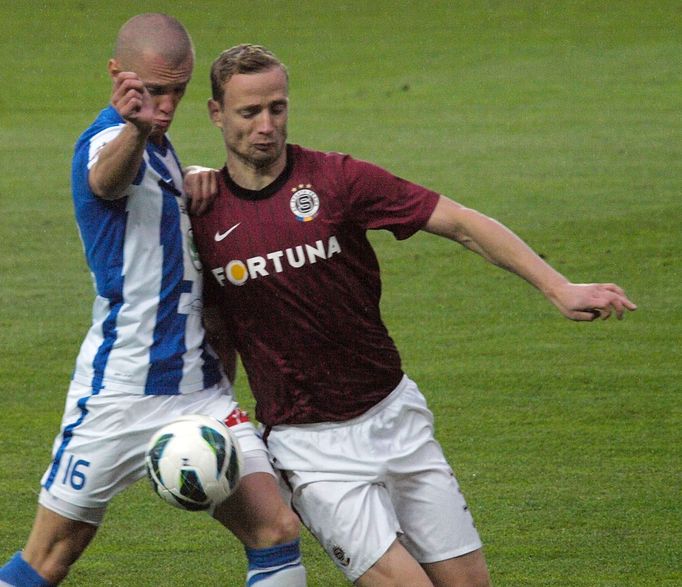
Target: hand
pixel 201 187
pixel 132 101
pixel 589 301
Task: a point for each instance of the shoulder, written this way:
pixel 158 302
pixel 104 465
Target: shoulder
pixel 304 154
pixel 331 164
pixel 107 124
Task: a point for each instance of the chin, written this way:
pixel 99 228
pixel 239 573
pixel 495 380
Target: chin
pixel 157 134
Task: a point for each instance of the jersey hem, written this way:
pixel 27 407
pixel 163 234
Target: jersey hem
pixel 338 423
pixel 120 387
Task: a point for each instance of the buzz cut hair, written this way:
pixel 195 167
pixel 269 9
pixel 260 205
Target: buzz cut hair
pixel 153 32
pixel 244 58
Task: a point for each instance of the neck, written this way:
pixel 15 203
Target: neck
pixel 253 177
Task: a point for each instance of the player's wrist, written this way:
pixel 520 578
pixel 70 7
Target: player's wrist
pixel 143 129
pixel 555 288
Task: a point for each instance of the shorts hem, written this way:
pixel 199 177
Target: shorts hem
pixel 369 562
pixel 440 557
pixel 78 512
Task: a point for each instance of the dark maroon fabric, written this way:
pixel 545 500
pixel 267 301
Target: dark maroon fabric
pixel 301 303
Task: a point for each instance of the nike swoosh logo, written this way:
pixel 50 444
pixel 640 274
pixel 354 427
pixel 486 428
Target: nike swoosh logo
pixel 221 235
pixel 168 185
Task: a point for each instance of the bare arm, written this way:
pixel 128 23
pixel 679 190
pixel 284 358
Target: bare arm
pixel 502 247
pixel 119 160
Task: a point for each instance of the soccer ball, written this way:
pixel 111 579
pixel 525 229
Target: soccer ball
pixel 194 462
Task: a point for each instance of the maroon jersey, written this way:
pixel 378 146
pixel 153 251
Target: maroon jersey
pixel 298 285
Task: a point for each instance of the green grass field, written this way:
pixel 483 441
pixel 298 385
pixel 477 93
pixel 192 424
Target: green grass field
pixel 560 119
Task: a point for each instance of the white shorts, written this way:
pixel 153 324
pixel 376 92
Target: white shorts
pixel 100 449
pixel 358 485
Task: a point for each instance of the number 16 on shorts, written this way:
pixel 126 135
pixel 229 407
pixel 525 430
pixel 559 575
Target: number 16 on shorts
pixel 74 473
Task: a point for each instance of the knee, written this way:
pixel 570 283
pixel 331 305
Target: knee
pixel 284 527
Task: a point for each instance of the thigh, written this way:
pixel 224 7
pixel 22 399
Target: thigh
pixel 466 570
pixel 431 509
pixel 396 568
pixel 433 515
pixel 95 451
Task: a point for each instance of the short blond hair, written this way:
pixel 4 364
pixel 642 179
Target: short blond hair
pixel 244 58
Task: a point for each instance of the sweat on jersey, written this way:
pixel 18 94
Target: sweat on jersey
pixel 297 282
pixel 146 335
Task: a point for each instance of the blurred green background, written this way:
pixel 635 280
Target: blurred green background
pixel 560 119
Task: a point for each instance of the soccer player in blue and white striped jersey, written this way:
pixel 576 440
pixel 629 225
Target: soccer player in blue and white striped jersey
pixel 144 360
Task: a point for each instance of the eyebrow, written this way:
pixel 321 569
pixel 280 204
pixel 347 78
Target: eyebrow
pixel 258 107
pixel 163 88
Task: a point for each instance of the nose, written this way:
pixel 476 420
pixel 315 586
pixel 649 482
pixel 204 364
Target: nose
pixel 167 103
pixel 265 124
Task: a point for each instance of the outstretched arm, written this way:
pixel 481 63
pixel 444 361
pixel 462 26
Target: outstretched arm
pixel 502 247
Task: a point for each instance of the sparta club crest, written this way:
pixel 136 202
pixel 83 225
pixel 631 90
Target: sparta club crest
pixel 304 203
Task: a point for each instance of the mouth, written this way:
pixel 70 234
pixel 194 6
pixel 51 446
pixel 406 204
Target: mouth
pixel 265 147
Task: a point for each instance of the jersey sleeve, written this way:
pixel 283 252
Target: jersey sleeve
pixel 377 199
pixel 86 154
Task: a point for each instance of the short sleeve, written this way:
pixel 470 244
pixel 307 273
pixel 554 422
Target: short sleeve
pixel 380 200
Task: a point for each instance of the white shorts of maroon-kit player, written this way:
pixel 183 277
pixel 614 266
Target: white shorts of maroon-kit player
pixel 358 485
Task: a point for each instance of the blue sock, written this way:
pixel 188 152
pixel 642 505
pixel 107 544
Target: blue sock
pixel 18 572
pixel 276 566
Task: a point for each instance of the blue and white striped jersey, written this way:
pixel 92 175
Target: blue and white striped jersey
pixel 146 335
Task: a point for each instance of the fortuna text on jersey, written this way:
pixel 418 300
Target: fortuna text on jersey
pixel 237 272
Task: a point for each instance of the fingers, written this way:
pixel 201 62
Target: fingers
pixel 129 97
pixel 601 301
pixel 615 301
pixel 584 315
pixel 587 302
pixel 201 187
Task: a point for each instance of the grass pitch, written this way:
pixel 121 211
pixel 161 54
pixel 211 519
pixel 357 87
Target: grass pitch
pixel 560 119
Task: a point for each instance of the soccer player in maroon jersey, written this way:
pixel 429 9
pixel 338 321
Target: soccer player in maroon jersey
pixel 293 284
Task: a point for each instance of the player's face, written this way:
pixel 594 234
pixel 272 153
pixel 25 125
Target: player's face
pixel 166 84
pixel 253 117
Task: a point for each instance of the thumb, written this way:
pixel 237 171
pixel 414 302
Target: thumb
pixel 585 315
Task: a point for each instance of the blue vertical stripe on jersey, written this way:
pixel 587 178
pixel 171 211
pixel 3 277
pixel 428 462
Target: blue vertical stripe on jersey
pixel 99 363
pixel 168 346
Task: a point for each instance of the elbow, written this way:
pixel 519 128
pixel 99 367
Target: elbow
pixel 104 189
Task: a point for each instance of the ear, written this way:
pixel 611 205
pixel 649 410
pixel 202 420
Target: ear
pixel 214 113
pixel 113 67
